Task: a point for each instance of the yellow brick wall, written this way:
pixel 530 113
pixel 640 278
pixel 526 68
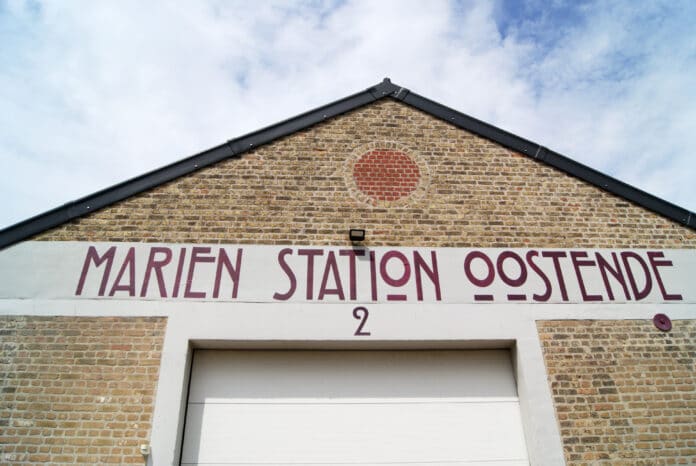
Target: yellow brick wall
pixel 625 392
pixel 472 193
pixel 298 190
pixel 77 390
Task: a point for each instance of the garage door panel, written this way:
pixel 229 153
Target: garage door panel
pixel 332 374
pixel 354 433
pixel 430 463
pixel 410 463
pixel 362 407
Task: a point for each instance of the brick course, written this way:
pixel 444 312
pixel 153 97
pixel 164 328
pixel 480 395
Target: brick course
pixel 471 193
pixel 294 190
pixel 625 392
pixel 77 390
pixel 386 175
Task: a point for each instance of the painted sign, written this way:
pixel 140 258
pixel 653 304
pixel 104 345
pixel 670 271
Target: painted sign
pixel 252 273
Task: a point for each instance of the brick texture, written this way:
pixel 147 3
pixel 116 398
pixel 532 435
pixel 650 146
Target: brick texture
pixel 77 390
pixel 625 392
pixel 615 400
pixel 295 191
pixel 386 175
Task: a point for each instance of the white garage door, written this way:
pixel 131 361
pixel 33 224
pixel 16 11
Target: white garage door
pixel 353 408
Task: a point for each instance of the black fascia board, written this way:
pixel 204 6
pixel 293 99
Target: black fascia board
pixel 235 147
pixel 554 159
pixel 470 124
pixel 93 202
pixel 619 188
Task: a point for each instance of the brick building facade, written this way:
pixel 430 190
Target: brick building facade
pixel 91 375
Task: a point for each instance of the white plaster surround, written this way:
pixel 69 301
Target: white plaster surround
pixel 331 325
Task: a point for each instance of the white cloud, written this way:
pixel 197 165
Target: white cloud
pixel 94 93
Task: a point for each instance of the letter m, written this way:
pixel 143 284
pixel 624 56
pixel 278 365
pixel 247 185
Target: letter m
pixel 93 256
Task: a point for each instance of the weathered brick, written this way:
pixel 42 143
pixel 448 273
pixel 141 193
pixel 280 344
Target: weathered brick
pixel 63 414
pixel 302 189
pixel 639 393
pixel 458 190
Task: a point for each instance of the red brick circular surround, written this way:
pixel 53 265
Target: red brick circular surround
pixel 385 174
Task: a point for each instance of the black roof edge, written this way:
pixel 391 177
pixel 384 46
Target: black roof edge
pixel 554 159
pixel 85 205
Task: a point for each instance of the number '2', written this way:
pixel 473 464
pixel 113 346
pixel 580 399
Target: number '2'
pixel 361 313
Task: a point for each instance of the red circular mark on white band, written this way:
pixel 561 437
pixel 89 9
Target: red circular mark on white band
pixel 662 322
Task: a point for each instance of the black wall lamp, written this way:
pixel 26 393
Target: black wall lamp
pixel 356 234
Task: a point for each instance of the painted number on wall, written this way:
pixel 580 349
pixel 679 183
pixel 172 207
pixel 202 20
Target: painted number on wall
pixel 361 313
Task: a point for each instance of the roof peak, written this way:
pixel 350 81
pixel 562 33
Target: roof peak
pixel 384 89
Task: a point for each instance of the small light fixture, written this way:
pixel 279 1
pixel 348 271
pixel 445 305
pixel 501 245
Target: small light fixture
pixel 356 234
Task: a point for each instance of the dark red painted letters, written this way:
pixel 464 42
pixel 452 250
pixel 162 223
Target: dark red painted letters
pixel 654 263
pixel 288 271
pixel 93 256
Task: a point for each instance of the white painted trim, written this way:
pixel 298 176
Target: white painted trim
pixel 328 274
pixel 315 326
pixel 331 326
pixel 127 308
pixel 542 435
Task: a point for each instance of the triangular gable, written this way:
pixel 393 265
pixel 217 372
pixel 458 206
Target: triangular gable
pixel 385 89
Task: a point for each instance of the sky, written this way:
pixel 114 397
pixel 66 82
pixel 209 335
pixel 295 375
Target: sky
pixel 93 93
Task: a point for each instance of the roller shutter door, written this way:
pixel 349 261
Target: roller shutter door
pixel 353 408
